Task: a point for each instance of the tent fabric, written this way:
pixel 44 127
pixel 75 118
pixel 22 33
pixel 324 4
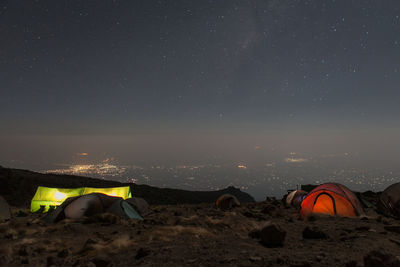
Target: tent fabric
pixel 92 204
pixel 389 201
pixel 332 199
pixel 227 201
pixel 46 198
pixel 295 198
pixel 140 205
pixel 5 213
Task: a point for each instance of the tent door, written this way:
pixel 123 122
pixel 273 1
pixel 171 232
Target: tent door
pixel 324 203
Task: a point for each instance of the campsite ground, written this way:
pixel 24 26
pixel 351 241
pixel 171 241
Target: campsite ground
pixel 199 235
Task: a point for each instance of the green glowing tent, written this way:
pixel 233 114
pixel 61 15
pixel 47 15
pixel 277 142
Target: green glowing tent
pixel 48 198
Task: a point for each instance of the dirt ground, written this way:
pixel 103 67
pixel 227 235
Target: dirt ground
pixel 200 235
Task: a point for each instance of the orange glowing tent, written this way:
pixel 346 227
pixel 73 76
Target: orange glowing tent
pixel 333 199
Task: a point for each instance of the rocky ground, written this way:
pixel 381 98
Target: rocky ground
pixel 254 234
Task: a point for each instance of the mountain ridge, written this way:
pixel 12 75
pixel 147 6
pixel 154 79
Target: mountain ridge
pixel 18 186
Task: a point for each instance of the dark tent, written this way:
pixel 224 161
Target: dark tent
pixel 389 201
pixel 227 201
pixel 91 204
pixel 295 198
pixel 4 210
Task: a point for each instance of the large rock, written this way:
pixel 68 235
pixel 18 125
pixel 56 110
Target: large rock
pixel 5 213
pixel 313 233
pixel 272 235
pixel 378 258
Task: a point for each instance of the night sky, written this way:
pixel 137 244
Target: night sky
pixel 163 77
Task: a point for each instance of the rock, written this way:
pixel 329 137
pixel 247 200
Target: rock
pixel 21 213
pixel 395 241
pixel 101 261
pixel 23 251
pixel 63 253
pixel 392 228
pixel 363 228
pixel 50 261
pixel 88 245
pixel 255 258
pixel 272 235
pixel 352 263
pixel 142 252
pixel 313 233
pixel 312 218
pixel 255 233
pixel 268 209
pixel 378 258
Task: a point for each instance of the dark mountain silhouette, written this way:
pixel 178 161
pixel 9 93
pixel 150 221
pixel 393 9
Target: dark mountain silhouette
pixel 19 186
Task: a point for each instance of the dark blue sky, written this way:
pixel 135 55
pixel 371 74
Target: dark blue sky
pixel 140 67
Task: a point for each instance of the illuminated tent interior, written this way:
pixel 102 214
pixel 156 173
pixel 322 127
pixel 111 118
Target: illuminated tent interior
pixel 47 198
pixel 332 199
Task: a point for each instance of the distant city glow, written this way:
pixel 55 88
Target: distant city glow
pixel 103 169
pixel 296 160
pixel 242 166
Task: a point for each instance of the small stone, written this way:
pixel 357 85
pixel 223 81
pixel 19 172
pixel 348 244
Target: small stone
pixel 362 228
pixel 255 258
pixel 101 261
pixel 142 252
pixel 280 261
pixel 22 251
pixel 50 261
pixel 352 263
pixel 255 233
pixel 392 228
pixel 21 213
pixel 396 241
pixel 268 209
pixel 63 253
pixel 311 218
pixel 313 233
pixel 272 235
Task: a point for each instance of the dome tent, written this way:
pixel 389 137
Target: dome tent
pixel 47 198
pixel 389 201
pixel 227 201
pixel 91 204
pixel 333 199
pixel 295 198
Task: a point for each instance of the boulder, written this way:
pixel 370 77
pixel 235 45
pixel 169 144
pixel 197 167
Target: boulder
pixel 272 235
pixel 378 258
pixel 313 233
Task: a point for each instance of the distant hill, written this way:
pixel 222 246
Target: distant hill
pixel 19 186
